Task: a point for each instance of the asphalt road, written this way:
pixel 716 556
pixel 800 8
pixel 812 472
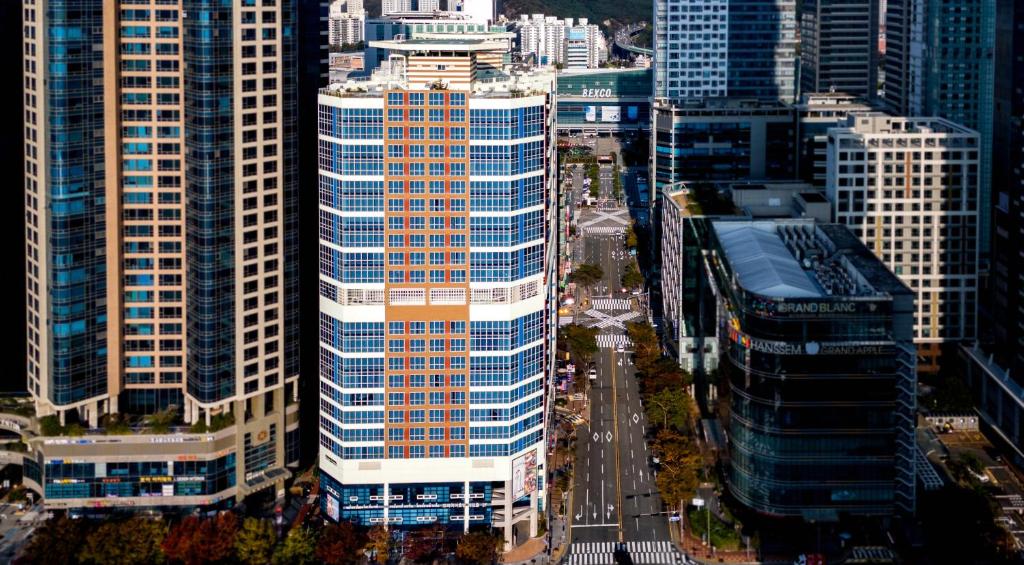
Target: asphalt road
pixel 614 495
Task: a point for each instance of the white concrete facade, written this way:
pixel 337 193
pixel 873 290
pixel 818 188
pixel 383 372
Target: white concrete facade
pixel 909 188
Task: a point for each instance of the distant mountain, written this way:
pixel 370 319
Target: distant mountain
pixel 608 13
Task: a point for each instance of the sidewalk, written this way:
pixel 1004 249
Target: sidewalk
pixel 533 551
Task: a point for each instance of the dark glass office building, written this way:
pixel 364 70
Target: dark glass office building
pixel 721 139
pixel 816 340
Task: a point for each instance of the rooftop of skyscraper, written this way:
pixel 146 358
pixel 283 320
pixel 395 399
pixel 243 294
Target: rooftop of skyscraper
pixel 490 79
pixel 802 259
pixel 882 123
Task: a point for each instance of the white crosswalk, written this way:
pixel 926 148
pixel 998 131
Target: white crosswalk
pixel 601 320
pixel 603 230
pixel 611 303
pixel 613 340
pixel 640 552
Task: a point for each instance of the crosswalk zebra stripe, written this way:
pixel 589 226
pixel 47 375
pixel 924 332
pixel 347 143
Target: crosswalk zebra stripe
pixel 611 304
pixel 613 340
pixel 603 230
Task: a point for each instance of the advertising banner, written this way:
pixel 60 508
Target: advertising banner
pixel 611 113
pixel 591 114
pixel 524 475
pixel 333 510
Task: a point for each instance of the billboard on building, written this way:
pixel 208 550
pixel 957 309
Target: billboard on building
pixel 333 511
pixel 524 475
pixel 611 113
pixel 632 113
pixel 591 114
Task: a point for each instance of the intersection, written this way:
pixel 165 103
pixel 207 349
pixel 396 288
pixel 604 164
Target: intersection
pixel 616 513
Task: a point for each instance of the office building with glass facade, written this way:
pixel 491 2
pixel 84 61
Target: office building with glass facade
pixel 816 336
pixel 437 278
pixel 839 47
pixel 688 208
pixel 720 139
pixel 940 61
pixel 161 245
pixel 604 100
pixel 737 48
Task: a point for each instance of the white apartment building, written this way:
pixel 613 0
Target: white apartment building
pixel 388 7
pixel 909 188
pixel 346 20
pixel 575 44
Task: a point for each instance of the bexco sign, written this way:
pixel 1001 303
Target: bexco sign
pixel 596 92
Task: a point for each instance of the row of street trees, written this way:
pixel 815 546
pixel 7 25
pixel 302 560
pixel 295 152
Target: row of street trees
pixel 226 538
pixel 664 386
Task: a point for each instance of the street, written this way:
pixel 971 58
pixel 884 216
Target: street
pixel 614 499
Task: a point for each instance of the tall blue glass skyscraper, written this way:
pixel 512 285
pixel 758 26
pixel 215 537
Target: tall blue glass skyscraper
pixel 161 207
pixel 940 61
pixel 66 203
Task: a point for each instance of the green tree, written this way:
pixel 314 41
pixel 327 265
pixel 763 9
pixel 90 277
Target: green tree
pixel 581 342
pixel 669 408
pixel 662 373
pixel 298 548
pixel 586 274
pixel 254 544
pixel 478 547
pixel 632 278
pixel 161 422
pixel 681 466
pixel 50 426
pixel 131 542
pixel 57 542
pixel 631 239
pixel 645 344
pixel 379 543
pixel 340 544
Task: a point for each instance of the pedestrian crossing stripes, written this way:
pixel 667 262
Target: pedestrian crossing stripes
pixel 613 340
pixel 603 230
pixel 601 320
pixel 640 553
pixel 611 304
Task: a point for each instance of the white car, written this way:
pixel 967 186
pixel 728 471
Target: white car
pixel 620 348
pixel 592 374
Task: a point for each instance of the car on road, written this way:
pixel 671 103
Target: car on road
pixel 620 348
pixel 592 374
